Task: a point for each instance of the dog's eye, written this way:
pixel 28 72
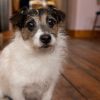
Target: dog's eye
pixel 31 25
pixel 51 22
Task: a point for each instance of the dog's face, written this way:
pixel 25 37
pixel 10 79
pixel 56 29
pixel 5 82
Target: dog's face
pixel 40 26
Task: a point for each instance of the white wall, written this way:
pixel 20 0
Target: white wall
pixel 72 13
pixel 82 14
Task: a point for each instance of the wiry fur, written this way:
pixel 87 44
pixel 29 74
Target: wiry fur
pixel 29 73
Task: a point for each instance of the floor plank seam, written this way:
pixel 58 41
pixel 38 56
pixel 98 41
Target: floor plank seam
pixel 86 71
pixel 74 86
pixel 86 59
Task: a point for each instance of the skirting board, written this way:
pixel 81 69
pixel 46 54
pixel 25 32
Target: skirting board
pixel 7 36
pixel 84 33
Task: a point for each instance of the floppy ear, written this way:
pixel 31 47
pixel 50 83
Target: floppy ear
pixel 60 16
pixel 57 14
pixel 20 17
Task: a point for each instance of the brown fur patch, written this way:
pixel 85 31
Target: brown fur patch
pixel 26 34
pixel 40 23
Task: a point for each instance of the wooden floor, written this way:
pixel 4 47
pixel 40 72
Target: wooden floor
pixel 81 77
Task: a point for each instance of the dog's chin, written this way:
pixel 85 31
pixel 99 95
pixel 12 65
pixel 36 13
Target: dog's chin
pixel 45 48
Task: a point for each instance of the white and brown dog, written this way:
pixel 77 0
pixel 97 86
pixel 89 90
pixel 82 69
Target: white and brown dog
pixel 31 63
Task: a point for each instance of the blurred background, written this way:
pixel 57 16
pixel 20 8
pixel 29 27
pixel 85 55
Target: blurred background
pixel 9 7
pixel 82 16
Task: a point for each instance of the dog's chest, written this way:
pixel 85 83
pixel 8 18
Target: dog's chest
pixel 30 70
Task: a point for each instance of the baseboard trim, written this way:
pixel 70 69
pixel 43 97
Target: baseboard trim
pixel 84 33
pixel 7 35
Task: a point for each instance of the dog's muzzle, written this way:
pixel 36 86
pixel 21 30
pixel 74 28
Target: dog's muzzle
pixel 45 40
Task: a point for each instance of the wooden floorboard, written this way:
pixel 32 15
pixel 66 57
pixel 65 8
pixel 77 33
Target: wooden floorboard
pixel 89 68
pixel 83 68
pixel 86 84
pixel 65 91
pixel 89 55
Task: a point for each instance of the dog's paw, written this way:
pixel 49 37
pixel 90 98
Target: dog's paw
pixel 7 98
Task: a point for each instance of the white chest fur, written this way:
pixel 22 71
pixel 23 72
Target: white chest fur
pixel 33 69
pixel 24 67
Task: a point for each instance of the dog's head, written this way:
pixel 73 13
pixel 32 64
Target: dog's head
pixel 40 26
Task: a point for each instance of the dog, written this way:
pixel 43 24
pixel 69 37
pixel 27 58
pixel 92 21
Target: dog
pixel 31 64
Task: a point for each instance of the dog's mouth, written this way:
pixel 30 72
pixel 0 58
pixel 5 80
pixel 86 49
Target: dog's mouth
pixel 46 46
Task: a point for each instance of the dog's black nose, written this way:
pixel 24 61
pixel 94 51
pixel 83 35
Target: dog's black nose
pixel 46 38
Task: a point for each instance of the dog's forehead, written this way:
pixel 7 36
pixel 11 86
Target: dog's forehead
pixel 37 12
pixel 39 15
pixel 37 19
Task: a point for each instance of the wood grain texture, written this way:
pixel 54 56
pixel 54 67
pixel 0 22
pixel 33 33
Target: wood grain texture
pixel 65 91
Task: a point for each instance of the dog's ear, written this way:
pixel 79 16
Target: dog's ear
pixel 60 16
pixel 57 14
pixel 20 17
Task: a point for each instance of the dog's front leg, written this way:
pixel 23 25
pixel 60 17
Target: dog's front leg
pixel 2 97
pixel 48 94
pixel 17 93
